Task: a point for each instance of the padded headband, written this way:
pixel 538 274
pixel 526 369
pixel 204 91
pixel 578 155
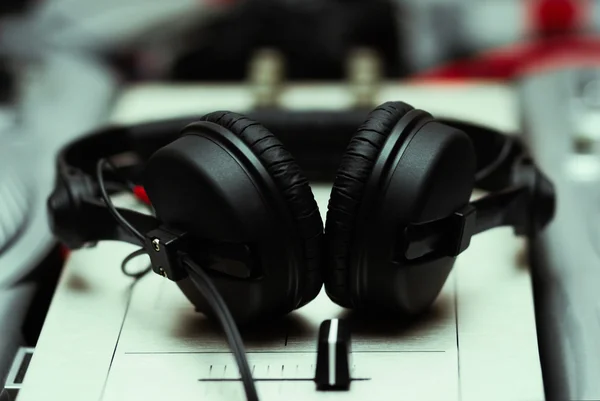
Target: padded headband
pixel 316 138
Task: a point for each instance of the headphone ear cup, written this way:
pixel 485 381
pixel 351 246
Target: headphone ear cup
pixel 347 193
pixel 294 187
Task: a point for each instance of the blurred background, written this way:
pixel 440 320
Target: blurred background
pixel 65 66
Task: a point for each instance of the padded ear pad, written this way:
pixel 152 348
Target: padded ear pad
pixel 293 185
pixel 346 195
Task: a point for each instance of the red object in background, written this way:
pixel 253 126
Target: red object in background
pixel 513 61
pixel 138 191
pixel 556 41
pixel 64 252
pixel 556 16
pixel 141 194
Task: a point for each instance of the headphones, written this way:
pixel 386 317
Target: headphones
pixel 227 193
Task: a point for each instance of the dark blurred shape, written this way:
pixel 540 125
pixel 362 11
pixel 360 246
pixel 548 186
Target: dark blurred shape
pixel 45 277
pixel 14 6
pixel 9 7
pixel 314 37
pixel 6 82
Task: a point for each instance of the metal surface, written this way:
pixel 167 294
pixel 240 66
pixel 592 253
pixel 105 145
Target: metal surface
pixel 566 268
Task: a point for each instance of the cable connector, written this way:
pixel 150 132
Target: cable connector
pixel 163 245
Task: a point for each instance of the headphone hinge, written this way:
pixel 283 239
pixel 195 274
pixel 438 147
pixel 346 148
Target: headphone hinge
pixel 66 206
pixel 464 224
pixel 539 206
pixel 448 236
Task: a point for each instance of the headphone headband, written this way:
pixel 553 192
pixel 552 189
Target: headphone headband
pixel 316 138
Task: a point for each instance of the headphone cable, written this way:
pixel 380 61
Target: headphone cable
pixel 200 280
pixel 111 207
pixel 131 256
pixel 208 290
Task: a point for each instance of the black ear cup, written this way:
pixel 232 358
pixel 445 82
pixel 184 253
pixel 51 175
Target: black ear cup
pixel 346 195
pixel 294 187
pixel 401 168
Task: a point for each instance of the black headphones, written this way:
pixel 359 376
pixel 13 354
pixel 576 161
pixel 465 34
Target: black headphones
pixel 228 194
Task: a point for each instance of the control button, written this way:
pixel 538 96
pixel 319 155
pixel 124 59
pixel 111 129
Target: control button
pixel 333 356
